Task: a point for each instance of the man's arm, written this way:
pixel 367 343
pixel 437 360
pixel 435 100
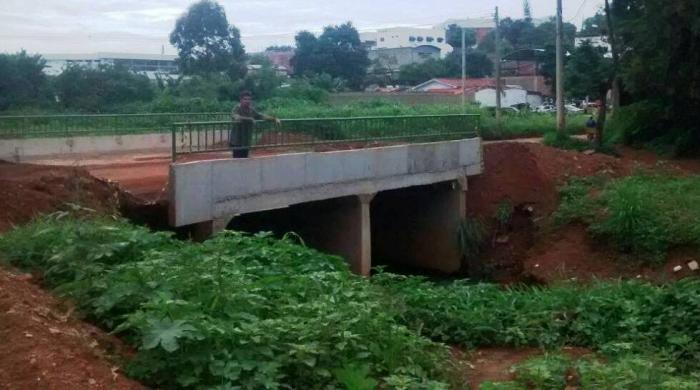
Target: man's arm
pixel 260 116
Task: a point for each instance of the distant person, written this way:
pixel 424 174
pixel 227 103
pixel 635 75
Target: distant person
pixel 242 132
pixel 591 130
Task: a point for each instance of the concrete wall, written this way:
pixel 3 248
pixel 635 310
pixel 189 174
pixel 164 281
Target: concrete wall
pixel 509 97
pixel 20 150
pixel 220 189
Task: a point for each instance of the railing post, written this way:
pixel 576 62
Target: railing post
pixel 173 142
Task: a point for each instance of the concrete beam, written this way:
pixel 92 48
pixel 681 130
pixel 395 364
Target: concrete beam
pixel 28 149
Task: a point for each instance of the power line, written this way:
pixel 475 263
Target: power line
pixel 580 8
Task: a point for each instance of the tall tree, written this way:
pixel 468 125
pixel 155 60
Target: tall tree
pixel 659 46
pixel 589 74
pixel 23 81
pixel 303 61
pixel 337 52
pixel 207 43
pixel 527 11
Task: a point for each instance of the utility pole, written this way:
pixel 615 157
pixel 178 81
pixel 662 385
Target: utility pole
pixel 497 36
pixel 464 71
pixel 561 114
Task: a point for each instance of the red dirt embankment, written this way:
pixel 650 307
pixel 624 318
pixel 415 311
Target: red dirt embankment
pixel 29 190
pixel 43 345
pixel 527 176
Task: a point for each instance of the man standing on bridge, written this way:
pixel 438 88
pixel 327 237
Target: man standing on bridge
pixel 244 116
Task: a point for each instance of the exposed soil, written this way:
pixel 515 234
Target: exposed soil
pixel 496 364
pixel 29 190
pixel 45 347
pixel 526 176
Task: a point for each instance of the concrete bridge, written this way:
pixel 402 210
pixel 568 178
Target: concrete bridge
pixel 402 202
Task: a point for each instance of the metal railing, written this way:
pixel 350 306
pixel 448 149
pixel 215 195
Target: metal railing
pixel 39 126
pixel 199 137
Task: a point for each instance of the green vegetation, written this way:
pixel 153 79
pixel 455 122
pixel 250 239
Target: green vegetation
pixel 556 141
pixel 622 372
pixel 241 310
pixel 644 215
pixel 337 52
pixel 256 312
pixel 207 43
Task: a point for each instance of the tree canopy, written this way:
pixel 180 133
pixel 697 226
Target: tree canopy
pixel 588 72
pixel 23 81
pixel 206 43
pixel 95 90
pixel 659 42
pixel 477 65
pixel 337 52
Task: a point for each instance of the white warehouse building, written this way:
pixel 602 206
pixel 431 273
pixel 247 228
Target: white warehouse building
pixel 147 64
pixel 399 37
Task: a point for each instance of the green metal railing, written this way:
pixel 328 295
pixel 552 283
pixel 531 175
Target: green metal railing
pixel 38 126
pixel 199 137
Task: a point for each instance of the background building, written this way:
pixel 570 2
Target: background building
pixel 400 37
pixel 393 59
pixel 482 27
pixel 147 64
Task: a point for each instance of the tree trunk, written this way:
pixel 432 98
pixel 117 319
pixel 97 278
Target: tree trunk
pixel 616 59
pixel 615 95
pixel 602 113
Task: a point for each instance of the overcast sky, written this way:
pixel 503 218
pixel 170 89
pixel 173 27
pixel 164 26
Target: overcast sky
pixel 143 26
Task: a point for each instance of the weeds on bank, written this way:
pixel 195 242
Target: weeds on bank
pixel 644 215
pixel 554 371
pixel 255 312
pixel 246 311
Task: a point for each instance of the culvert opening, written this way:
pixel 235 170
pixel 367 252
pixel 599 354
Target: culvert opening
pixel 414 230
pixel 321 225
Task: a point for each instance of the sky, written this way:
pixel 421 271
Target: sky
pixel 143 26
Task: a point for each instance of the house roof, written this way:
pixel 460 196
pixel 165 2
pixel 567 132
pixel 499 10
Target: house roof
pixel 456 84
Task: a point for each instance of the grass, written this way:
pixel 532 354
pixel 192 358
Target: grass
pixel 255 312
pixel 554 140
pixel 644 215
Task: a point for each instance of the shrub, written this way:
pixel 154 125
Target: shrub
pixel 567 142
pixel 238 310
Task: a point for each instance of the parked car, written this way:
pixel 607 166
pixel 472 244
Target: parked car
pixel 571 109
pixel 546 108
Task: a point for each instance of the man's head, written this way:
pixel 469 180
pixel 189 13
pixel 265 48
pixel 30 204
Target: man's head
pixel 245 98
